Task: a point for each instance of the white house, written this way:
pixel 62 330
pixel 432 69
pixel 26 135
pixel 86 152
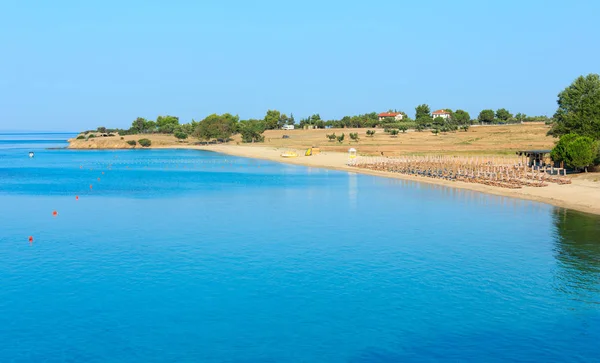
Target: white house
pixel 396 115
pixel 441 113
pixel 287 127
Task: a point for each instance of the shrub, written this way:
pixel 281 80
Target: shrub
pixel 91 136
pixel 465 128
pixel 354 136
pixel 181 135
pixel 80 137
pixel 145 142
pixel 332 137
pixel 370 133
pixel 340 138
pixel 132 142
pixel 122 138
pixel 582 152
pixel 435 131
pixel 394 133
pixel 403 128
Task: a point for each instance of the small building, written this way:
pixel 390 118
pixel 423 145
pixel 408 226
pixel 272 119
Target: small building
pixel 395 115
pixel 441 113
pixel 287 127
pixel 535 157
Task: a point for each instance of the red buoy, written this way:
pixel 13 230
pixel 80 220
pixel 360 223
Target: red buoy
pixel 91 186
pixel 98 179
pixel 30 239
pixel 76 197
pixel 54 213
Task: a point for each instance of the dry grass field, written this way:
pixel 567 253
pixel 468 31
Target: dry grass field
pixel 478 140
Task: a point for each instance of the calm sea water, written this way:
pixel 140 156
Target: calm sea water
pixel 189 256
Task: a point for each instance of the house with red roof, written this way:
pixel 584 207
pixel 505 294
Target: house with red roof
pixel 441 113
pixel 395 115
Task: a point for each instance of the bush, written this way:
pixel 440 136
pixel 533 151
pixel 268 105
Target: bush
pixel 181 135
pixel 370 133
pixel 145 142
pixel 91 136
pixel 354 136
pixel 332 137
pixel 394 133
pixel 575 151
pixel 122 138
pixel 340 138
pixel 582 152
pixel 403 128
pixel 80 137
pixel 132 142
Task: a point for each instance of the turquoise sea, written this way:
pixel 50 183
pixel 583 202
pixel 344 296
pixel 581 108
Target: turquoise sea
pixel 191 256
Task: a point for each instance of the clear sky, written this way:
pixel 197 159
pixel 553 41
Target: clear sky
pixel 72 65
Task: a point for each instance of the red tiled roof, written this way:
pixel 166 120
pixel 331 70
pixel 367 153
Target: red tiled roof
pixel 440 112
pixel 388 114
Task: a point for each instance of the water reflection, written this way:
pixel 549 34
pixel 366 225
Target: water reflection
pixel 578 254
pixel 352 189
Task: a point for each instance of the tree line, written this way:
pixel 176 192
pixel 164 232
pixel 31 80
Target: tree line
pixel 222 127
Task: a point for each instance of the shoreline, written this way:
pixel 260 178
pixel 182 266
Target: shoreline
pixel 572 196
pixel 581 195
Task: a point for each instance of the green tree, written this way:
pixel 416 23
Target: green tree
pixel 167 124
pixel 422 111
pixel 582 152
pixel 138 126
pixel 439 121
pixel 394 133
pixel 217 127
pixel 403 128
pixel 272 119
pixel 520 117
pixel 559 152
pixel 503 115
pixel 101 129
pixel 462 117
pixel 252 130
pixel 486 116
pixel 579 108
pixel 149 127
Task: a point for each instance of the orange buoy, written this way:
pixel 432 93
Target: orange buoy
pixel 54 213
pixel 98 179
pixel 30 239
pixel 76 197
pixel 91 186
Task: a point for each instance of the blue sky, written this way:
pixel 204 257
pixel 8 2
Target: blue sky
pixel 72 65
